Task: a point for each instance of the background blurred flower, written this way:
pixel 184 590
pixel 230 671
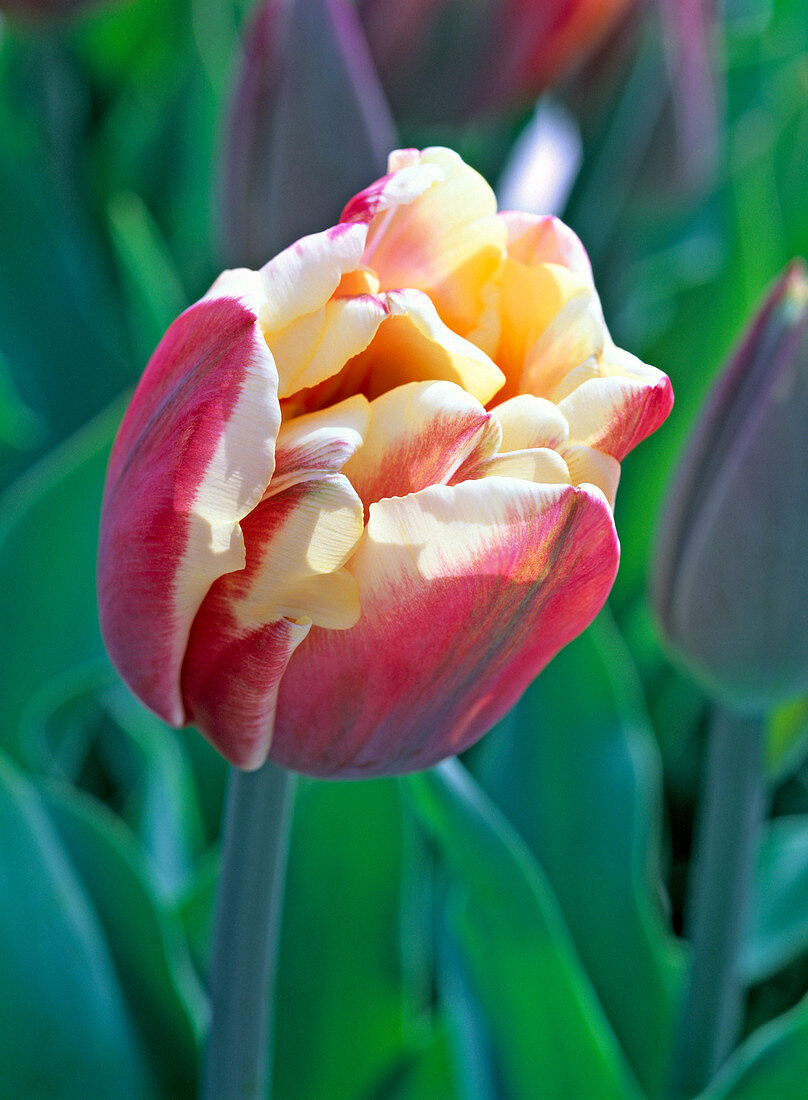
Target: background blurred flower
pixel 305 70
pixel 731 579
pixel 317 541
pixel 46 9
pixel 448 59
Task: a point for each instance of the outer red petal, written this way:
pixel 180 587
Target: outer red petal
pixel 193 456
pixel 440 653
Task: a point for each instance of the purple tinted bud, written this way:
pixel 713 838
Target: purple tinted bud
pixel 731 581
pixel 308 126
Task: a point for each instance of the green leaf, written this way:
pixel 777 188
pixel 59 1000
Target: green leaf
pixel 84 726
pixel 64 1027
pixel 48 536
pixel 771 1065
pixel 149 276
pixel 577 768
pixel 342 1019
pixel 425 1072
pixel 549 1032
pixel 779 924
pixel 62 328
pixel 146 938
pixel 786 739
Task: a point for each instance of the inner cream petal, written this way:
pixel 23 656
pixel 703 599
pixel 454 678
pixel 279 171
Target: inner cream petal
pixel 540 465
pixel 529 421
pixel 301 574
pixel 301 279
pixel 576 334
pixel 588 466
pixel 317 346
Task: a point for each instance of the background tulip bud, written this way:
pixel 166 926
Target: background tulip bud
pixel 307 108
pixel 731 584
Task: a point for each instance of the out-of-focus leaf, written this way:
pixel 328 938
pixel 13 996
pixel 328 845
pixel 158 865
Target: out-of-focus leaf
pixel 62 329
pixel 149 275
pixel 779 926
pixel 139 42
pixel 20 427
pixel 425 1072
pixel 771 1065
pixel 342 1023
pixel 195 907
pixel 786 739
pixel 471 1043
pixel 64 1027
pixel 577 769
pixel 145 939
pixel 550 1034
pixel 86 728
pixel 48 535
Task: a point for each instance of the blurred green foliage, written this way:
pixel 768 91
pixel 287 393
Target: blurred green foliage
pixel 506 930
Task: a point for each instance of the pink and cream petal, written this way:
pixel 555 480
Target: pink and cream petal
pixel 242 283
pixel 419 435
pixel 303 277
pixel 319 442
pixel 614 414
pixel 193 457
pixel 230 683
pixel 467 592
pixel 297 544
pixel 447 241
pixel 406 180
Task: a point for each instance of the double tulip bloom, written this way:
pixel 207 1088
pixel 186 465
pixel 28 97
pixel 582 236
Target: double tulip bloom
pixel 363 495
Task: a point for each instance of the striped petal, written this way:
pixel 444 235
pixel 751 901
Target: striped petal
pixel 193 457
pixel 616 412
pixel 467 592
pixel 251 622
pixel 320 442
pixel 419 435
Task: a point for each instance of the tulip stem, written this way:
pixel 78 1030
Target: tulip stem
pixel 257 823
pixel 727 839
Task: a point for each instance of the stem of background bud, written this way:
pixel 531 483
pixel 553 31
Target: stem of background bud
pixel 247 931
pixel 727 837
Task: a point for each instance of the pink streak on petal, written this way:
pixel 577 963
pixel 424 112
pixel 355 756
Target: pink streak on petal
pixel 625 417
pixel 232 668
pixel 435 661
pixel 179 414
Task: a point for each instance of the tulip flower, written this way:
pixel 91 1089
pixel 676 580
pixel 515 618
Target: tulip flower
pixel 448 59
pixel 363 495
pixel 732 569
